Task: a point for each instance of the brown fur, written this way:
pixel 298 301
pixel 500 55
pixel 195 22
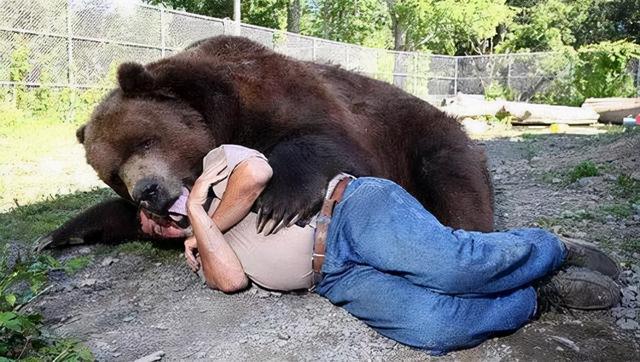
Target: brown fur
pixel 310 120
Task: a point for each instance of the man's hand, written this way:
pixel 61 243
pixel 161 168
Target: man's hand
pixel 190 253
pixel 210 176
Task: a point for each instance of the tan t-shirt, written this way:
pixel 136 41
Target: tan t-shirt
pixel 280 261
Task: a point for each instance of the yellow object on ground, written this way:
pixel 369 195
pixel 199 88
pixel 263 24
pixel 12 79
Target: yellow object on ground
pixel 558 128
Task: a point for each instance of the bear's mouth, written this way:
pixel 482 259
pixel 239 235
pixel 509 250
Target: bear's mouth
pixel 175 215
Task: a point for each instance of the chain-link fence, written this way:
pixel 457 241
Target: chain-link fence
pixel 78 43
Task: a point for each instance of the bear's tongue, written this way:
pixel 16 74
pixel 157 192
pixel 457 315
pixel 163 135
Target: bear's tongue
pixel 179 207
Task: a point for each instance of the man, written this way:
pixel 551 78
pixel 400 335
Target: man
pixel 387 260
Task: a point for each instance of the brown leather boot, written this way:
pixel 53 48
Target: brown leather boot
pixel 583 254
pixel 577 288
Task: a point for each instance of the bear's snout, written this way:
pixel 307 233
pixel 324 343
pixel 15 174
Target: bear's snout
pixel 151 195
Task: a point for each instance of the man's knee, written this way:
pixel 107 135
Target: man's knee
pixel 441 335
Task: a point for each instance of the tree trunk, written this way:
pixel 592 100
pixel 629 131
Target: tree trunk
pixel 397 28
pixel 293 16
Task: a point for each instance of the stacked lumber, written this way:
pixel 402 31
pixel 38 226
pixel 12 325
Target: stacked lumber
pixel 613 110
pixel 462 106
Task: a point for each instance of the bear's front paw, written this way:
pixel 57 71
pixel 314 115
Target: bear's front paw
pixel 278 210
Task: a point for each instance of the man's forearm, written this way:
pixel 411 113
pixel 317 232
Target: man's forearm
pixel 232 209
pixel 245 184
pixel 221 267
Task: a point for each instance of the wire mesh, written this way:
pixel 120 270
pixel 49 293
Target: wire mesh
pixel 80 42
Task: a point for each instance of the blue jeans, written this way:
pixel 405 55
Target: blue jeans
pixel 393 265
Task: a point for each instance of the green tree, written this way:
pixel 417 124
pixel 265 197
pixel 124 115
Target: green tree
pixel 541 27
pixel 550 24
pixel 267 13
pixel 364 22
pixel 294 13
pixel 625 16
pixel 449 26
pixel 214 8
pixel 602 69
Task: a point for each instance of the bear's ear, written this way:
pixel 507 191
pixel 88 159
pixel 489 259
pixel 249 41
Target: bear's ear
pixel 80 134
pixel 134 78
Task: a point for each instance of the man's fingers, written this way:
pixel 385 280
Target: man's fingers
pixel 194 266
pixel 191 260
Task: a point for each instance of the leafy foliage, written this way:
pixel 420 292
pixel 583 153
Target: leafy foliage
pixel 363 22
pixel 442 26
pixel 68 104
pixel 598 70
pixel 583 169
pixel 21 335
pixel 602 69
pixel 496 90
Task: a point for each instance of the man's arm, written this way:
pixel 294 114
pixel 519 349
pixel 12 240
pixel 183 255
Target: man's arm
pixel 220 265
pixel 246 183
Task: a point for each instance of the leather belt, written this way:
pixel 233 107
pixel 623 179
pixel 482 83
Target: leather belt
pixel 322 227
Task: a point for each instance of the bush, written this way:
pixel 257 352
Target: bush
pixel 496 90
pixel 583 169
pixel 65 104
pixel 598 70
pixel 21 336
pixel 602 69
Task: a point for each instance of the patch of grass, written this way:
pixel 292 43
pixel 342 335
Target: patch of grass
pixel 534 136
pixel 21 335
pixel 528 136
pixel 64 350
pixel 583 169
pixel 547 222
pixel 550 176
pixel 74 265
pixel 148 249
pixel 616 132
pixel 577 215
pixel 631 245
pixel 40 157
pixel 621 211
pixel 529 149
pixel 628 187
pixel 27 223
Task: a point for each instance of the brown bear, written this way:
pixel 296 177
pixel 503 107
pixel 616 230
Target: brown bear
pixel 147 138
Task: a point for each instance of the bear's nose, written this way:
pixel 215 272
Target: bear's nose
pixel 146 190
pixel 149 192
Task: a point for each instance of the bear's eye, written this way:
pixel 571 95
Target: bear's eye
pixel 145 145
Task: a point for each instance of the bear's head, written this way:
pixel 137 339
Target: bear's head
pixel 145 141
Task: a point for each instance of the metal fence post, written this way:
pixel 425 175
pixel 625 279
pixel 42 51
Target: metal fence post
pixel 455 76
pixel 638 76
pixel 163 36
pixel 509 73
pixel 415 74
pixel 70 76
pixel 346 56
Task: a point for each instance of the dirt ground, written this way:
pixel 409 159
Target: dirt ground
pixel 129 305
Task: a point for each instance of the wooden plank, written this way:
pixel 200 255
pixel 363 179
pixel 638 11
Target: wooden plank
pixel 527 113
pixel 613 110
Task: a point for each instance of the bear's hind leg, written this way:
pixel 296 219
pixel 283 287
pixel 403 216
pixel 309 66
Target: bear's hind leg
pixel 454 184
